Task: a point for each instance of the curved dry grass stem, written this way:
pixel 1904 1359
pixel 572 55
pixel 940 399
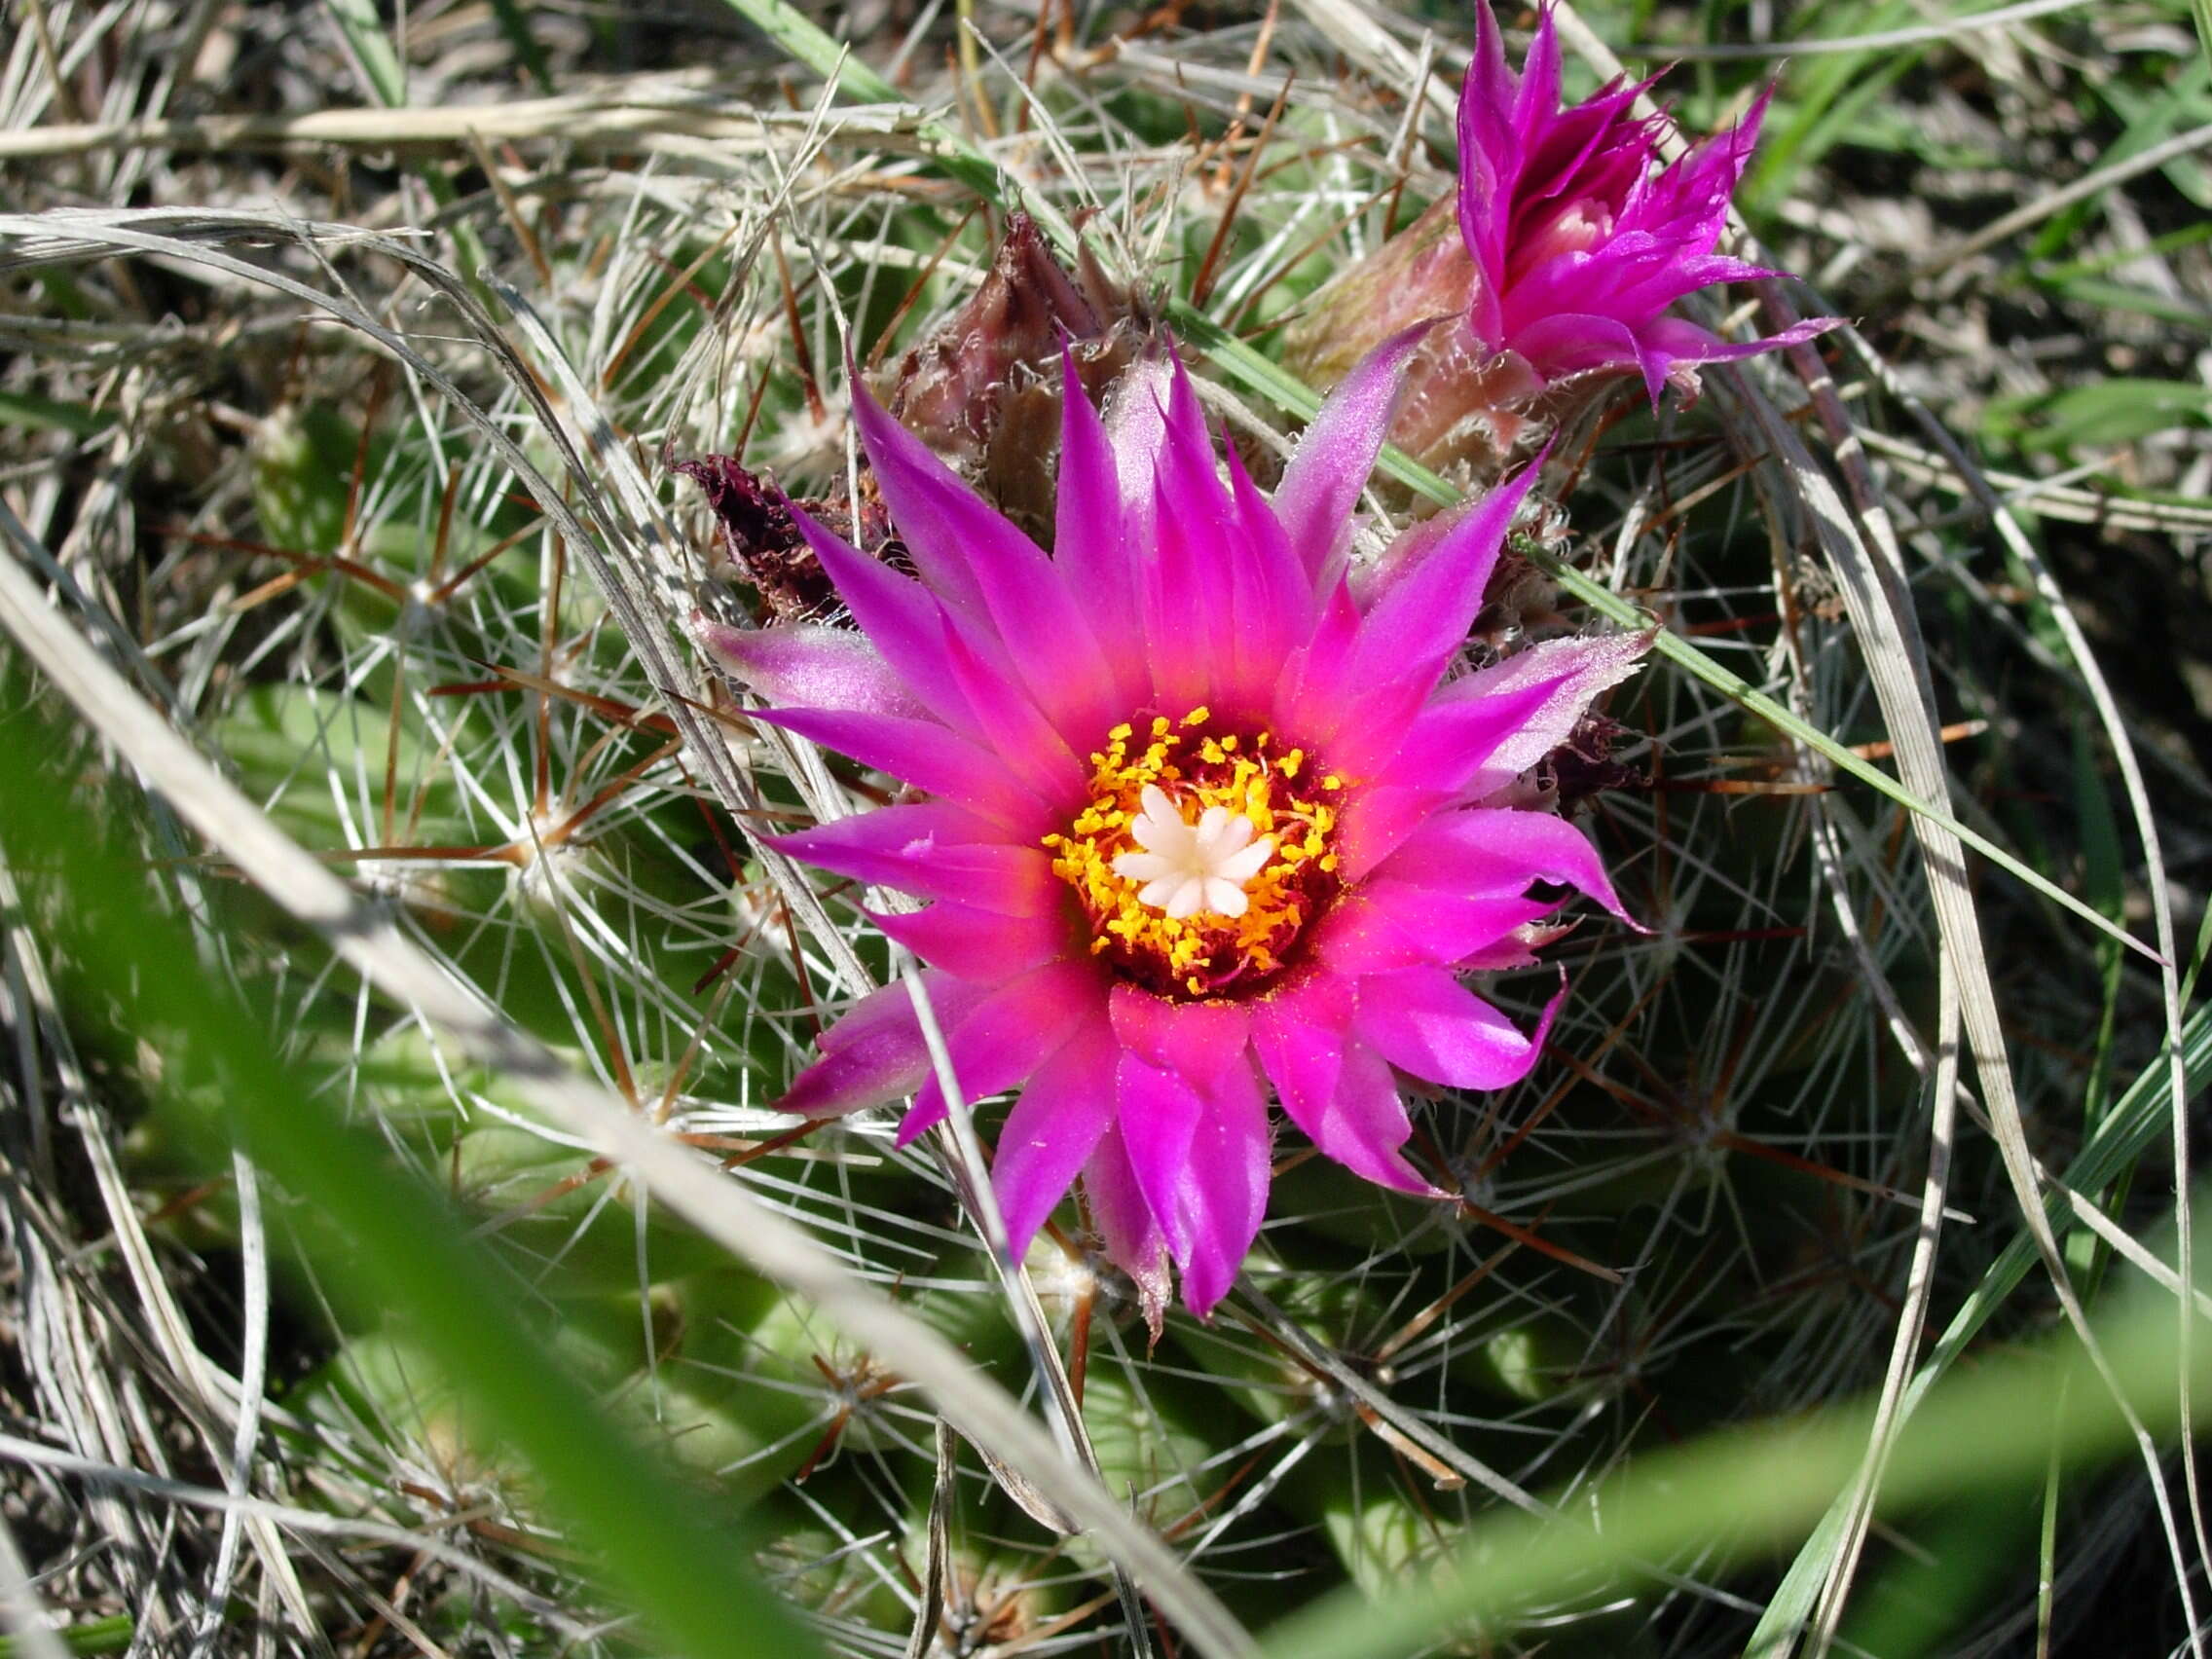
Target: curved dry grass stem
pixel 651 113
pixel 2122 747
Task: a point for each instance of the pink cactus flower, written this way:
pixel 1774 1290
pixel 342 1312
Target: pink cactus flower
pixel 1195 823
pixel 1580 243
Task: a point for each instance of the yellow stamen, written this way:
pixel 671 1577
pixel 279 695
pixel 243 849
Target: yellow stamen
pixel 1206 953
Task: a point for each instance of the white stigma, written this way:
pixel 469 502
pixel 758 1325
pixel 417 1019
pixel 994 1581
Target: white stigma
pixel 1189 867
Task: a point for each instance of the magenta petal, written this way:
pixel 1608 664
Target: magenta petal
pixel 1457 926
pixel 974 555
pixel 1203 1165
pixel 1195 1124
pixel 1579 242
pixel 1091 542
pixel 1136 429
pixel 1367 1127
pixel 977 943
pixel 932 852
pixel 1496 850
pixel 1452 738
pixel 1185 421
pixel 1537 100
pixel 1575 670
pixel 1378 818
pixel 1490 149
pixel 1460 746
pixel 808 665
pixel 1309 695
pixel 1126 1224
pixel 1356 938
pixel 916 486
pixel 1417 626
pixel 1274 595
pixel 1372 706
pixel 1430 755
pixel 1188 575
pixel 1425 1022
pixel 1200 1041
pixel 1006 1036
pixel 1053 1130
pixel 1574 343
pixel 1013 729
pixel 930 757
pixel 1387 925
pixel 876 1053
pixel 1680 342
pixel 1158 1113
pixel 902 618
pixel 1231 1163
pixel 1339 1093
pixel 1320 488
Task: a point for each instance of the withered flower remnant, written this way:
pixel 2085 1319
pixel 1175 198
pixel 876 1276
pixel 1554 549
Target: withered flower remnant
pixel 983 389
pixel 761 540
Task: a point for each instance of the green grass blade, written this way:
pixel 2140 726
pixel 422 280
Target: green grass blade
pixel 364 33
pixel 93 1636
pixel 357 20
pixel 380 1235
pixel 48 414
pixel 1737 1490
pixel 2121 1137
pixel 805 41
pixel 514 23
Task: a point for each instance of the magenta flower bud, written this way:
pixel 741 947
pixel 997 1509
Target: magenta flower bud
pixel 1573 246
pixel 1199 822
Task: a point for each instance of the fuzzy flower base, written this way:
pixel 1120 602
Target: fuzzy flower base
pixel 1196 825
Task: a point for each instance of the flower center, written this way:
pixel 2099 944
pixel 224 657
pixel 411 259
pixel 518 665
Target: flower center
pixel 1578 227
pixel 1203 856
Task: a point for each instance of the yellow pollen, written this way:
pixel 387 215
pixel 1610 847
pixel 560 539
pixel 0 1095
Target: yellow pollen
pixel 1206 953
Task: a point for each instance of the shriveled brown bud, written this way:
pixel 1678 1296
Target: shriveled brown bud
pixel 984 388
pixel 1584 765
